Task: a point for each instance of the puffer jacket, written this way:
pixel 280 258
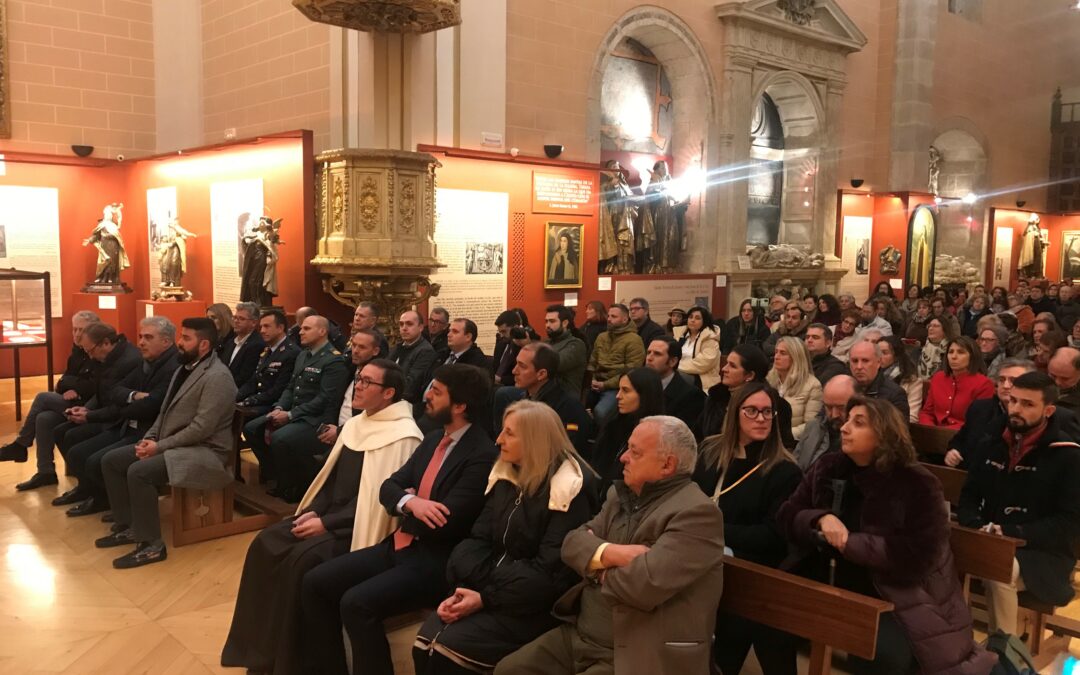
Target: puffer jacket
pixel 704 357
pixel 617 351
pixel 903 540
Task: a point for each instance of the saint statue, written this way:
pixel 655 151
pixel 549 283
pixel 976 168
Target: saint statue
pixel 617 214
pixel 259 278
pixel 112 257
pixel 935 170
pixel 1032 250
pixel 661 224
pixel 172 254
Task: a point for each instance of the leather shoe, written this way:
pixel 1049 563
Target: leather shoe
pixel 108 518
pixel 36 481
pixel 144 554
pixel 13 452
pixel 123 538
pixel 88 507
pixel 72 496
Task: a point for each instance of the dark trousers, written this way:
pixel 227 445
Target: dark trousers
pixel 132 485
pixel 357 591
pixel 289 458
pixel 775 650
pixel 893 655
pixel 84 457
pixel 434 663
pixel 46 401
pixel 42 425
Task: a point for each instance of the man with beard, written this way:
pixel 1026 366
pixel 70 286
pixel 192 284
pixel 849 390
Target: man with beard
pixel 617 351
pixel 571 349
pixel 437 494
pixel 822 434
pixel 187 446
pixel 1027 485
pixel 794 324
pixel 536 362
pixel 682 397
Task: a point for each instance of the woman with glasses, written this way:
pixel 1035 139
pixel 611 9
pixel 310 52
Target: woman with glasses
pixel 792 376
pixel 933 352
pixel 640 394
pixel 749 474
pixel 844 334
pixel 883 521
pixel 953 388
pixel 898 366
pixel 991 343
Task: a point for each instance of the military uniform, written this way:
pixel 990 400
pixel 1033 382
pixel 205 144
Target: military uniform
pixel 312 398
pixel 272 376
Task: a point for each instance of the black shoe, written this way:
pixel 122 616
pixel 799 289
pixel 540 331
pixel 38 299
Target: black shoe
pixel 117 528
pixel 144 554
pixel 124 537
pixel 13 452
pixel 36 481
pixel 72 496
pixel 108 518
pixel 89 507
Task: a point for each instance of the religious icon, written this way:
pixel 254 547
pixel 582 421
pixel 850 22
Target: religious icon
pixel 172 260
pixel 259 282
pixel 922 246
pixel 1070 254
pixel 111 255
pixel 617 213
pixel 562 251
pixel 1032 264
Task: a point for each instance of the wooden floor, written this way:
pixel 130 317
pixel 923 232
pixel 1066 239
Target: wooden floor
pixel 64 609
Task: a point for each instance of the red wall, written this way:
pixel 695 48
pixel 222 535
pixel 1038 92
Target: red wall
pixel 1016 219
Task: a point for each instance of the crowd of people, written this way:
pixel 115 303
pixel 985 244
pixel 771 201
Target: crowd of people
pixel 561 500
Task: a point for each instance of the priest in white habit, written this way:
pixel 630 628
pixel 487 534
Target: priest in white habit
pixel 339 513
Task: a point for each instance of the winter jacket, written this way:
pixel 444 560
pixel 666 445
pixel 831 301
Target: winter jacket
pixel 826 366
pixel 816 441
pixel 948 398
pixel 124 358
pixel 737 332
pixel 572 360
pixel 152 378
pixel 805 403
pixel 1037 501
pixel 79 376
pixel 649 331
pixel 701 357
pixel 617 351
pixel 1025 318
pixel 884 388
pixel 902 540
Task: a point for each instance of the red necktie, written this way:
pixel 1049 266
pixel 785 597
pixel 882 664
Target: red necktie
pixel 403 539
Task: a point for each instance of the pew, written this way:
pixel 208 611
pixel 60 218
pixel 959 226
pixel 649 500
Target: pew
pixel 952 481
pixel 931 441
pixel 830 618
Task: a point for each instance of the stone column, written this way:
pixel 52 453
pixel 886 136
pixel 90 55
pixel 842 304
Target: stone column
pixel 736 110
pixel 912 109
pixel 827 178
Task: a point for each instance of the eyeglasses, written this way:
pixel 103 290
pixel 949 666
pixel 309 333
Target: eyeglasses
pixel 751 412
pixel 367 382
pixel 988 339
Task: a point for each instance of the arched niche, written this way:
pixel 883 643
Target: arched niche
pixel 694 109
pixel 961 236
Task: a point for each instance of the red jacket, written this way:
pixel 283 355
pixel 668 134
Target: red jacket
pixel 948 397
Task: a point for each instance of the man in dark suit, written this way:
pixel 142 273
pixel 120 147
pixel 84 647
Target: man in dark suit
pixel 366 317
pixel 414 354
pixel 275 367
pixel 534 373
pixel 241 354
pixel 682 398
pixel 438 332
pixel 461 344
pixel 437 494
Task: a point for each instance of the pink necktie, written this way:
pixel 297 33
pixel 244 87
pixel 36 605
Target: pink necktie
pixel 403 539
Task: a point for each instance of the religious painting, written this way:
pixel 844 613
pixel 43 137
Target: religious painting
pixel 483 258
pixel 562 253
pixel 861 254
pixel 5 78
pixel 1070 254
pixel 922 246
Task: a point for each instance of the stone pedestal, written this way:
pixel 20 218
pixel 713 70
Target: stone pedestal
pixel 115 309
pixel 173 311
pixel 742 283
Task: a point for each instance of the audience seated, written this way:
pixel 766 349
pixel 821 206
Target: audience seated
pixel 1064 369
pixel 747 327
pixel 640 394
pixel 991 341
pixel 333 332
pixel 366 317
pixel 221 315
pixel 844 334
pixel 647 329
pixel 1038 300
pixel 822 434
pixel 676 324
pixel 285 440
pixel 1025 317
pixel 436 495
pixel 792 377
pixel 986 418
pixel 1068 309
pixel 794 324
pixel 749 474
pixel 438 326
pixel 75 387
pixel 414 354
pixel 866 368
pixel 266 385
pixel 573 357
pixel 506 349
pixel 132 406
pixel 595 323
pixel 616 351
pixel 883 520
pixel 939 309
pixel 116 358
pixel 535 363
pixel 364 348
pixel 897 364
pixel 188 445
pixel 745 363
pixel 953 388
pixel 681 397
pixel 870 320
pixel 506 575
pixel 1045 346
pixel 653 553
pixel 241 351
pixel 340 512
pixel 969 316
pixel 819 343
pixel 700 349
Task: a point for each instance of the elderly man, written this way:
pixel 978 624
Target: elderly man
pixel 865 362
pixel 819 342
pixel 414 354
pixel 986 418
pixel 187 446
pixel 652 554
pixel 76 386
pixel 682 398
pixel 822 434
pixel 275 366
pixel 366 317
pixel 241 353
pixel 1064 368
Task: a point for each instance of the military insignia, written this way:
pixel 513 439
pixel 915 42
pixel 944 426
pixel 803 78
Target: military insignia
pixel 264 352
pixel 335 352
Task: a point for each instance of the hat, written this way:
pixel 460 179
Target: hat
pixel 675 309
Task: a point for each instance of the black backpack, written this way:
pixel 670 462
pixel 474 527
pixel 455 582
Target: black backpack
pixel 1013 655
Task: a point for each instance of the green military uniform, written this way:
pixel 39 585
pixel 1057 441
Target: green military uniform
pixel 313 397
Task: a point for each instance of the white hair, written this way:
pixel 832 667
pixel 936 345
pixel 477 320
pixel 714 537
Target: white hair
pixel 675 439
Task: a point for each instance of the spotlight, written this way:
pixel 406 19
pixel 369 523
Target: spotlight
pixel 857 183
pixel 553 151
pixel 970 198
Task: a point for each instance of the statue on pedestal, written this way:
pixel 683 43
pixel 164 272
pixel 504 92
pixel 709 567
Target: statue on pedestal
pixel 662 224
pixel 1032 262
pixel 259 278
pixel 172 260
pixel 617 214
pixel 935 171
pixel 111 256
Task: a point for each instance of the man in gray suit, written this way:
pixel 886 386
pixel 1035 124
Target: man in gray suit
pixel 187 446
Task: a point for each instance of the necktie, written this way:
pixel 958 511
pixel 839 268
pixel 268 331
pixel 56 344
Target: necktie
pixel 403 539
pixel 452 360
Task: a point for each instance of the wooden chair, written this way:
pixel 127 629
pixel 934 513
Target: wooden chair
pixel 830 618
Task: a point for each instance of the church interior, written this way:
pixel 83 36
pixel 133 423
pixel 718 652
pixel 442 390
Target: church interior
pixel 305 173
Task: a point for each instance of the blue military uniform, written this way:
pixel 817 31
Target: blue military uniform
pixel 272 376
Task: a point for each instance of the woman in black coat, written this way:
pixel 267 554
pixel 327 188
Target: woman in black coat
pixel 746 328
pixel 749 474
pixel 640 394
pixel 745 363
pixel 508 574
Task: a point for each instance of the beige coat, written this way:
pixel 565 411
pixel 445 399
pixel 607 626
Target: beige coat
pixel 805 403
pixel 664 602
pixel 701 357
pixel 387 438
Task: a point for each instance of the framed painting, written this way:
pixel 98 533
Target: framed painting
pixel 922 246
pixel 1070 254
pixel 562 255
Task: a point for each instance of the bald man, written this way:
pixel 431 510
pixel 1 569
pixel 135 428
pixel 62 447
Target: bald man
pixel 333 334
pixel 822 434
pixel 286 439
pixel 1064 369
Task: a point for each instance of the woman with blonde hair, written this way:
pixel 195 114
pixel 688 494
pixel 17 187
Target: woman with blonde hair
pixel 508 573
pixel 793 377
pixel 221 315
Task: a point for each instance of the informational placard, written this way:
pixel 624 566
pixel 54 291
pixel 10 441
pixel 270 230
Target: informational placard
pixel 664 294
pixel 235 207
pixel 856 245
pixel 1003 255
pixel 160 209
pixel 470 231
pixel 30 240
pixel 562 193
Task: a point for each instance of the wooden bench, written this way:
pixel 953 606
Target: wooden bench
pixel 830 618
pixel 930 441
pixel 952 481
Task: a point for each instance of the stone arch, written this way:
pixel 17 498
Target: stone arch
pixel 801 109
pixel 964 169
pixel 693 88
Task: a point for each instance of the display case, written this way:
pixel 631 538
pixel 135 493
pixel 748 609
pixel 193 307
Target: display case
pixel 25 320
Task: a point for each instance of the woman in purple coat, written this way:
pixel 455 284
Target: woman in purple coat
pixel 884 520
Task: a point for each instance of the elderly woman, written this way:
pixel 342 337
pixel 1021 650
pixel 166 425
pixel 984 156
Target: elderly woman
pixel 991 343
pixel 883 519
pixel 508 573
pixel 934 350
pixel 701 349
pixel 953 388
pixel 792 376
